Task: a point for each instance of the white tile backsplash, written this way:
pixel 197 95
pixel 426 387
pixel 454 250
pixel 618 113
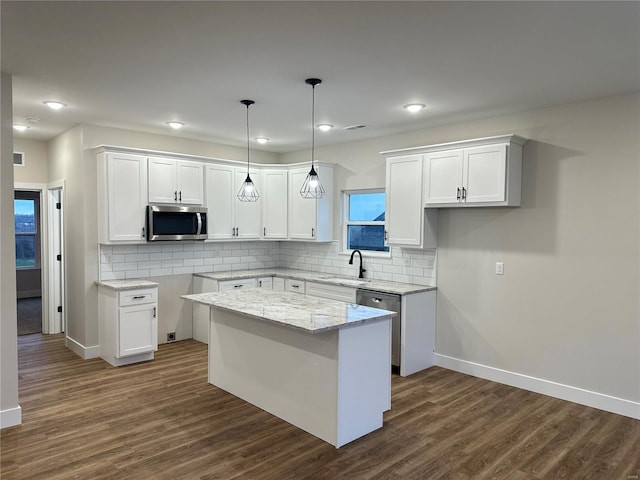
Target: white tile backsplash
pixel 151 260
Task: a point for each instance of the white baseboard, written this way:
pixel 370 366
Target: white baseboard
pixel 11 417
pixel 86 353
pixel 601 401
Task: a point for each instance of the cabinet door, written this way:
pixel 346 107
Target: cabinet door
pixel 443 177
pixel 237 284
pixel 275 185
pixel 404 209
pixel 484 174
pixel 137 330
pixel 190 183
pixel 302 211
pixel 278 284
pixel 126 197
pixel 219 195
pixel 247 214
pixel 266 282
pixel 163 186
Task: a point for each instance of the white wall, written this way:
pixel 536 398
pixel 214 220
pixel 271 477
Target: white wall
pixel 567 308
pixel 10 412
pixel 36 165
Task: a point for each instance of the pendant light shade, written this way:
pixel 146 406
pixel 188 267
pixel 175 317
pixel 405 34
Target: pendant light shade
pixel 312 188
pixel 248 191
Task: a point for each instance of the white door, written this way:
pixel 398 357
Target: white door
pixel 127 179
pixel 443 177
pixel 55 264
pixel 247 214
pixel 404 208
pixel 163 184
pixel 484 174
pixel 137 330
pixel 220 196
pixel 274 209
pixel 190 183
pixel 302 211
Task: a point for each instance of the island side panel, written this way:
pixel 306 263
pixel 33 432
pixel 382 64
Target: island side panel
pixel 287 372
pixel 417 332
pixel 364 379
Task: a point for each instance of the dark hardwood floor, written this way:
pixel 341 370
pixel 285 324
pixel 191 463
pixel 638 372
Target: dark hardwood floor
pixel 161 420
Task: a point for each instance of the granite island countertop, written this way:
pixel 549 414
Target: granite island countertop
pixel 126 284
pixel 320 277
pixel 293 310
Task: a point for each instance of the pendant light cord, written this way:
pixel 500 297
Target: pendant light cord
pixel 313 120
pixel 247 139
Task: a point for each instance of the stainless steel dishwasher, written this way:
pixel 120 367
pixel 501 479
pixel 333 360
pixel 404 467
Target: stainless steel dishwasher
pixel 386 301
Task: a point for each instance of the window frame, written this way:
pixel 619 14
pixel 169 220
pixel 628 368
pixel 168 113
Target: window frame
pixel 346 223
pixel 25 195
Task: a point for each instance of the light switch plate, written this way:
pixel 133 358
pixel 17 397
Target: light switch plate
pixel 499 268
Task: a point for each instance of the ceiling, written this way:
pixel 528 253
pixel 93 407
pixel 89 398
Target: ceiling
pixel 137 65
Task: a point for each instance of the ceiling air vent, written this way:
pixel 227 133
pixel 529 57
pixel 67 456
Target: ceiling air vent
pixel 18 158
pixel 354 127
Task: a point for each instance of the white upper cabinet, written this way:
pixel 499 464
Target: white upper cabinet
pixel 311 218
pixel 122 197
pixel 227 217
pixel 481 172
pixel 175 181
pixel 274 191
pixel 406 223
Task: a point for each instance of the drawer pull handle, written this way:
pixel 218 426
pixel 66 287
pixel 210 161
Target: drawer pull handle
pixel 138 297
pixel 237 286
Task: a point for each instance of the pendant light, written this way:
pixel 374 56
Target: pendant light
pixel 248 191
pixel 312 188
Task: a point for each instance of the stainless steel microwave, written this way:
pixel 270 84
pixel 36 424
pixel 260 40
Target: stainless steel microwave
pixel 168 222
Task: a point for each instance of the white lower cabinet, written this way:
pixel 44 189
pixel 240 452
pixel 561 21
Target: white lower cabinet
pixel 128 324
pixel 278 284
pixel 265 282
pixel 292 285
pixel 237 284
pixel 332 292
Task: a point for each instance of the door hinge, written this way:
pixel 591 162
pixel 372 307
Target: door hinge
pixel 59 257
pixel 59 308
pixel 58 205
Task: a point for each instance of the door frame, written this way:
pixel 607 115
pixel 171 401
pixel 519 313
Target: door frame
pixel 56 323
pixel 49 324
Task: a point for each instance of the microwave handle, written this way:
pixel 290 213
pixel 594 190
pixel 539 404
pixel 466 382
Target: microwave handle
pixel 198 215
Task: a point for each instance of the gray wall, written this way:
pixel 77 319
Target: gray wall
pixel 566 309
pixel 8 320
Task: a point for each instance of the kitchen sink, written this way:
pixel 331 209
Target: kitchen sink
pixel 355 282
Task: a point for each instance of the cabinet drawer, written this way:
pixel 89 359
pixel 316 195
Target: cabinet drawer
pixel 291 285
pixel 237 284
pixel 138 297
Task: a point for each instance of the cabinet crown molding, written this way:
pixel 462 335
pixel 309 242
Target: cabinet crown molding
pixel 474 142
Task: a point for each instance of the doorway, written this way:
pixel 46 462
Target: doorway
pixel 40 266
pixel 28 230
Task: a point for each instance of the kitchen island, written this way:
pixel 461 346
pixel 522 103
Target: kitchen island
pixel 321 365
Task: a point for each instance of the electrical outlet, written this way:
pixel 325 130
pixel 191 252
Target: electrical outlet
pixel 171 337
pixel 499 268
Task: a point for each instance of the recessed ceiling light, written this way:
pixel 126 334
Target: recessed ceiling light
pixel 262 140
pixel 176 125
pixel 53 105
pixel 20 128
pixel 325 127
pixel 414 107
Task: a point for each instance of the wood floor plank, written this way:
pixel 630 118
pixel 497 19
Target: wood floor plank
pixel 162 420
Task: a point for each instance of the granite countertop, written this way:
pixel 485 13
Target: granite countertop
pixel 291 309
pixel 326 278
pixel 126 284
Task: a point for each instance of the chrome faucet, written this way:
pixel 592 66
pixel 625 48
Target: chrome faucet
pixel 362 270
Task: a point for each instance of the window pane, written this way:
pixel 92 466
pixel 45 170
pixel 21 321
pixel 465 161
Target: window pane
pixel 366 207
pixel 25 251
pixel 366 237
pixel 25 216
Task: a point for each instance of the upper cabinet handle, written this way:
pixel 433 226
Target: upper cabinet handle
pixel 464 193
pixel 181 195
pixel 175 196
pixel 458 195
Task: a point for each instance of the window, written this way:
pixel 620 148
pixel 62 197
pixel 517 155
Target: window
pixel 27 234
pixel 364 221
